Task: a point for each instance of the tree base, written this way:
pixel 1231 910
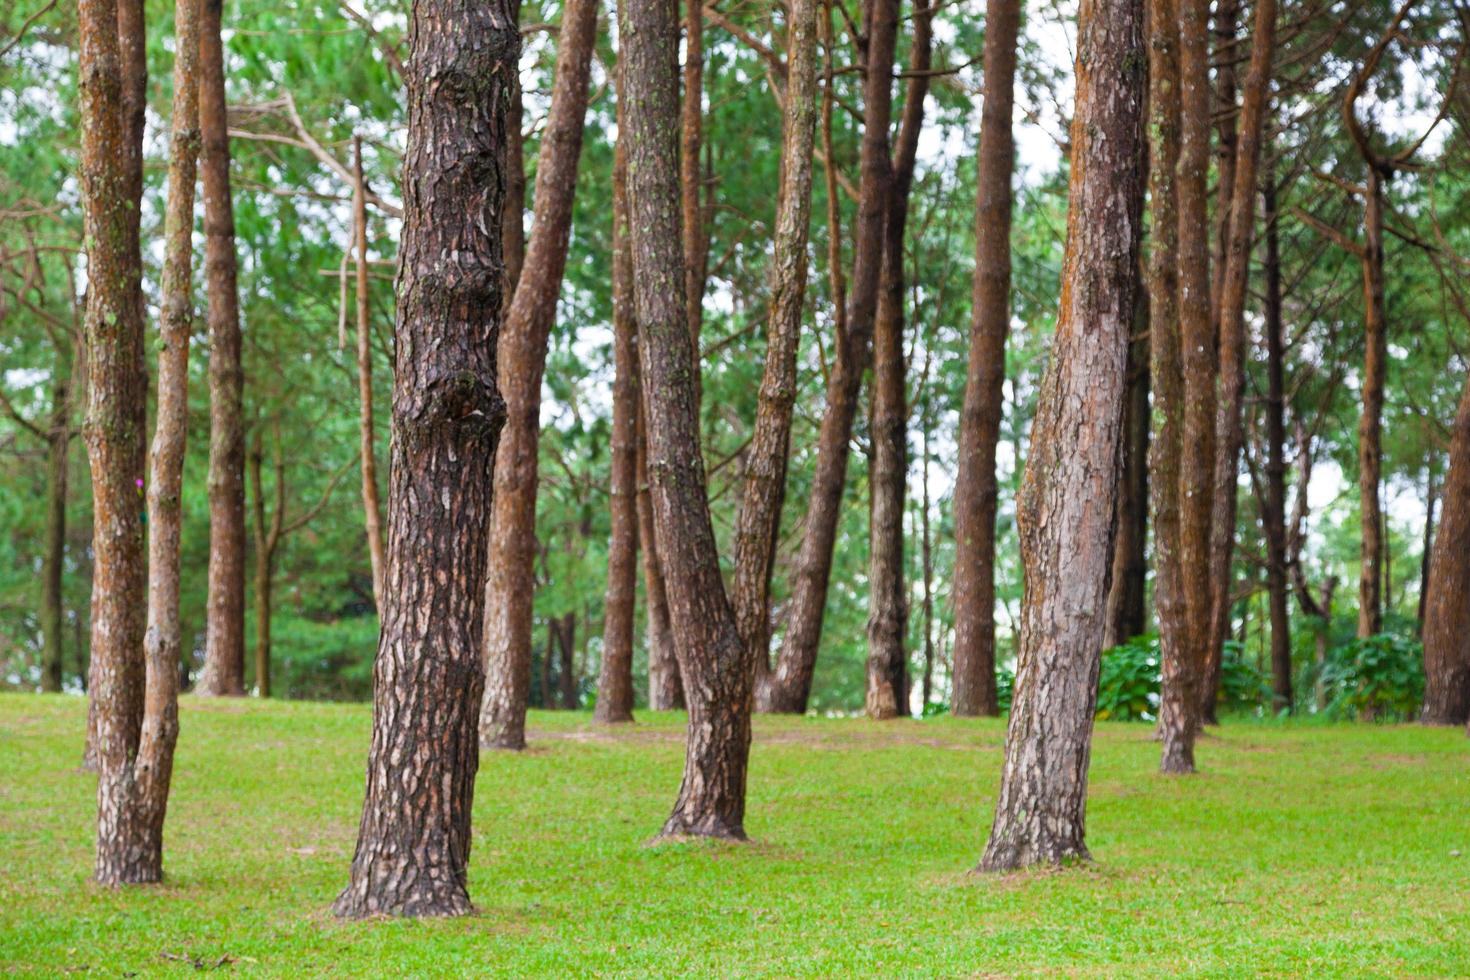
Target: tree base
pixel 621 718
pixel 423 899
pixel 1010 857
pixel 681 827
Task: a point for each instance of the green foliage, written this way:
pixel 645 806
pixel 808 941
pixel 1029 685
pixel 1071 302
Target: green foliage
pixel 329 660
pixel 1380 678
pixel 1242 686
pixel 1128 681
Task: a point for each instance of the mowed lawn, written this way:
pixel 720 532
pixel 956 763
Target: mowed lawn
pixel 1300 849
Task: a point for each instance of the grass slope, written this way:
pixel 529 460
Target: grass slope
pixel 1300 849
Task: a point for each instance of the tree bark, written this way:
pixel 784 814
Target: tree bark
pixel 1065 511
pixel 1370 423
pixel 53 563
pixel 615 682
pixel 712 660
pixel 266 539
pixel 224 645
pixel 759 519
pixel 665 686
pixel 1273 510
pixel 791 685
pixel 1227 41
pixel 975 490
pixel 511 579
pixel 1126 615
pixel 1431 500
pixel 372 508
pixel 887 667
pixel 413 843
pixel 695 234
pixel 1446 613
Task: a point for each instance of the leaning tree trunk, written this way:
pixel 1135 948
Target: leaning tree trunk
pixel 791 685
pixel 414 840
pixel 984 402
pixel 712 660
pixel 224 644
pixel 1126 614
pixel 511 579
pixel 887 667
pixel 1370 423
pixel 1446 613
pixel 759 520
pixel 615 682
pixel 1065 512
pixel 53 564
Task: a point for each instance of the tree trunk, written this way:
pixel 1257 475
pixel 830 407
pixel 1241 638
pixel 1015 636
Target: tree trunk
pixel 566 635
pixel 1126 615
pixel 1273 510
pixel 414 840
pixel 266 539
pixel 791 685
pixel 513 213
pixel 1065 511
pixel 1370 424
pixel 1183 671
pixel 372 509
pixel 926 541
pixel 665 686
pixel 615 683
pixel 1431 499
pixel 694 233
pixel 1225 52
pixel 224 645
pixel 53 564
pixel 887 683
pixel 711 657
pixel 984 401
pixel 1446 613
pixel 1235 278
pixel 511 579
pixel 759 520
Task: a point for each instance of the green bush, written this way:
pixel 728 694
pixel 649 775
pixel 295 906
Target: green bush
pixel 322 660
pixel 1128 681
pixel 1380 678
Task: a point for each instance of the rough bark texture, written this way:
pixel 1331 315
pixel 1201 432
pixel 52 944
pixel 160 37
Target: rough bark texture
pixel 53 564
pixel 887 667
pixel 1224 56
pixel 759 520
pixel 511 579
pixel 224 644
pixel 1179 709
pixel 1235 280
pixel 712 660
pixel 980 415
pixel 414 839
pixel 665 686
pixel 372 508
pixel 1065 513
pixel 615 682
pixel 1273 503
pixel 1126 610
pixel 1446 613
pixel 693 227
pixel 791 685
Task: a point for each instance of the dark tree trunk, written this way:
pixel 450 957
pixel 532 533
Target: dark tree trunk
pixel 566 636
pixel 926 540
pixel 511 579
pixel 887 687
pixel 1226 49
pixel 1126 614
pixel 368 448
pixel 224 644
pixel 1065 511
pixel 1446 613
pixel 1431 499
pixel 984 402
pixel 1370 423
pixel 615 682
pixel 1273 510
pixel 513 213
pixel 53 563
pixel 791 685
pixel 694 232
pixel 711 657
pixel 759 520
pixel 414 840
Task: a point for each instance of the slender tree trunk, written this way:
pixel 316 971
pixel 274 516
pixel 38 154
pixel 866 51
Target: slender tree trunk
pixel 567 639
pixel 414 840
pixel 1370 423
pixel 224 644
pixel 759 520
pixel 372 508
pixel 926 540
pixel 513 214
pixel 984 401
pixel 1065 511
pixel 695 235
pixel 1273 511
pixel 1446 613
pixel 53 564
pixel 887 686
pixel 711 800
pixel 1225 53
pixel 265 553
pixel 1431 498
pixel 791 686
pixel 665 686
pixel 615 683
pixel 511 579
pixel 1126 615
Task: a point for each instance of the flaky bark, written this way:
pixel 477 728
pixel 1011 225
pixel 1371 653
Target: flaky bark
pixel 790 687
pixel 712 660
pixel 372 508
pixel 1126 614
pixel 1446 613
pixel 1273 502
pixel 1065 511
pixel 615 682
pixel 980 415
pixel 759 519
pixel 224 644
pixel 887 667
pixel 511 580
pixel 414 839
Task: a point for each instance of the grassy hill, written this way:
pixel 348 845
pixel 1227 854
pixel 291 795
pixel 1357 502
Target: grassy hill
pixel 1299 849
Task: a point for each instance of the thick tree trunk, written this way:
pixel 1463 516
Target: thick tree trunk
pixel 615 682
pixel 887 666
pixel 759 520
pixel 511 578
pixel 1370 423
pixel 711 657
pixel 53 562
pixel 1065 512
pixel 1273 509
pixel 414 840
pixel 1235 279
pixel 984 401
pixel 1446 613
pixel 1126 614
pixel 791 685
pixel 372 508
pixel 1183 666
pixel 224 644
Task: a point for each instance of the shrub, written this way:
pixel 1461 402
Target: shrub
pixel 1380 678
pixel 1128 681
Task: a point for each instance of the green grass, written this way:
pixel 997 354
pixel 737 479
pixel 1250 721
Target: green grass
pixel 1299 849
